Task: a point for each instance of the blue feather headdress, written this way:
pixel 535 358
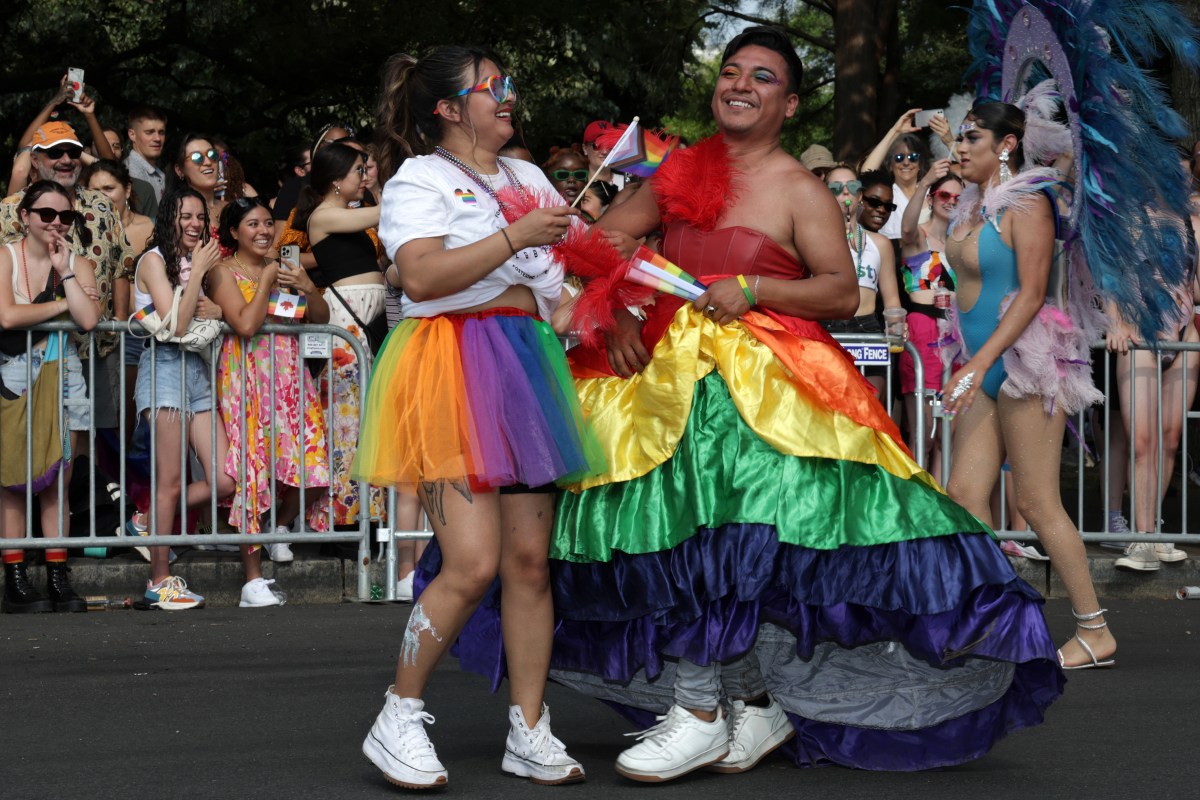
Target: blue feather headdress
pixel 1127 225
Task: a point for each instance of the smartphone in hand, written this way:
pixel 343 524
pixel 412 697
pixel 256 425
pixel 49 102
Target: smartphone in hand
pixel 289 257
pixel 921 118
pixel 75 82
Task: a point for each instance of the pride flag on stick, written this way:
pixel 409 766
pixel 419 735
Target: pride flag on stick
pixel 648 268
pixel 636 151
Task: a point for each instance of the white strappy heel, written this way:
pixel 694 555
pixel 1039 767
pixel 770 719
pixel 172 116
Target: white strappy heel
pixel 1079 620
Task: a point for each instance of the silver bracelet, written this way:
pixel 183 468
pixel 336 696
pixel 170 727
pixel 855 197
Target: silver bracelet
pixel 757 278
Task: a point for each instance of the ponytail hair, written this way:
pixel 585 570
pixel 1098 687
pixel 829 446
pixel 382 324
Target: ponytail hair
pixel 407 125
pixel 329 164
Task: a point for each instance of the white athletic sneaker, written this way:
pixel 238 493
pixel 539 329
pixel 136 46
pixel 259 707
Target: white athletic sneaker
pixel 259 593
pixel 753 733
pixel 404 588
pixel 1139 557
pixel 1169 553
pixel 280 553
pixel 680 743
pixel 398 744
pixel 535 753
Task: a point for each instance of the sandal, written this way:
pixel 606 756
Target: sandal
pixel 1079 620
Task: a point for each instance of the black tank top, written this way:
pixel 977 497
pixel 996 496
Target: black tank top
pixel 345 255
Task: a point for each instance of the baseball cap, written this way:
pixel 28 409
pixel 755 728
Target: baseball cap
pixel 816 157
pixel 594 129
pixel 53 133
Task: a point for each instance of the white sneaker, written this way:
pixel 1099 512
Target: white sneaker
pixel 1116 524
pixel 404 588
pixel 280 553
pixel 398 744
pixel 1169 553
pixel 535 753
pixel 753 733
pixel 680 743
pixel 259 593
pixel 1139 557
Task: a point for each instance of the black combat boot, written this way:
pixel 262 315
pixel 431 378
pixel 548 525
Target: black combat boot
pixel 58 586
pixel 19 595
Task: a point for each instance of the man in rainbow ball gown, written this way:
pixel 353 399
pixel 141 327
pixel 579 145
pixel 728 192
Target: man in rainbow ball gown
pixel 764 565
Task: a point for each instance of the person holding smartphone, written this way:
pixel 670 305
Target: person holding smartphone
pixel 905 153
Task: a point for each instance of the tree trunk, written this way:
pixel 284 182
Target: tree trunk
pixel 889 54
pixel 1185 86
pixel 856 84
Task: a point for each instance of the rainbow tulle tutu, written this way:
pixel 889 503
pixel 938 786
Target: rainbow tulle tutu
pixel 485 397
pixel 759 500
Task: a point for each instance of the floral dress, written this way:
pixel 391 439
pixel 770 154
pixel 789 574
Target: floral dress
pixel 300 426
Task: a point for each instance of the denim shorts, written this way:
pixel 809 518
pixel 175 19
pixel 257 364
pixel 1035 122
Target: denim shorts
pixel 75 396
pixel 175 372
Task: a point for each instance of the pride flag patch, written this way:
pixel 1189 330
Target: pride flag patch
pixel 467 196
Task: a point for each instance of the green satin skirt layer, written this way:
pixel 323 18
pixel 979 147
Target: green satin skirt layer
pixel 819 503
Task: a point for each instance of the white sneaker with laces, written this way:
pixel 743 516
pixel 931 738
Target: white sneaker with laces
pixel 259 593
pixel 1169 553
pixel 1116 524
pixel 398 745
pixel 280 553
pixel 535 753
pixel 680 743
pixel 754 732
pixel 1139 557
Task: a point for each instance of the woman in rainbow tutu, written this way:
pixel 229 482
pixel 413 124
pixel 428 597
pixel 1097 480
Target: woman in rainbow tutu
pixel 470 404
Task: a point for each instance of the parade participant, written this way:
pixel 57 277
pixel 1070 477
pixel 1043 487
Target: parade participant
pixel 1001 247
pixel 761 533
pixel 470 404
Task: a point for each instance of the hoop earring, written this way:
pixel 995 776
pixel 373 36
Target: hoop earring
pixel 1005 173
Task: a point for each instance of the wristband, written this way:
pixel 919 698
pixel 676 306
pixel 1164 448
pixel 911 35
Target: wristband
pixel 741 279
pixel 510 244
pixel 68 277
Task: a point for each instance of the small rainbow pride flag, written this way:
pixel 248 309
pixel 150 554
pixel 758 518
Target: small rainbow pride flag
pixel 142 313
pixel 649 268
pixel 634 150
pixel 287 305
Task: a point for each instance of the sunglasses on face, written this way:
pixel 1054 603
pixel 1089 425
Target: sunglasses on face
pixel 500 87
pixel 876 203
pixel 945 197
pixel 912 158
pixel 569 174
pixel 853 187
pixel 70 150
pixel 198 158
pixel 47 215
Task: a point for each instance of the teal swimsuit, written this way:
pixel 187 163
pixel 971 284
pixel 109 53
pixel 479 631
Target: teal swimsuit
pixel 998 271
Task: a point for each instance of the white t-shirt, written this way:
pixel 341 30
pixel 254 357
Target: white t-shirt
pixel 430 198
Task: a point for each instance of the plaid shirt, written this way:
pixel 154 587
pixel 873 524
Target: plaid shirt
pixel 110 249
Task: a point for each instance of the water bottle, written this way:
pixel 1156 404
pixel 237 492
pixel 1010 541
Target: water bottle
pixel 99 602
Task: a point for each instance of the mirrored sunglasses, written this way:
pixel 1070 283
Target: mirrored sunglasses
pixel 910 157
pixel 196 157
pixel 853 187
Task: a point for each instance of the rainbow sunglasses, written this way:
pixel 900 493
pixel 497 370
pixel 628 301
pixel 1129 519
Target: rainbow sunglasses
pixel 501 87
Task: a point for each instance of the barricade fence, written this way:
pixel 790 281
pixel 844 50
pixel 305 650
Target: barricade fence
pixel 315 345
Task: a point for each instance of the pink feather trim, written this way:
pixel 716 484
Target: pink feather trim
pixel 1051 359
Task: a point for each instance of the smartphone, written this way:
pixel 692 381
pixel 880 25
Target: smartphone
pixel 289 256
pixel 921 119
pixel 75 81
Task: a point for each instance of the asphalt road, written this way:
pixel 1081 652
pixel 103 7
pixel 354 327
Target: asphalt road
pixel 229 703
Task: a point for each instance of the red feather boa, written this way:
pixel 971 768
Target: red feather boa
pixel 696 185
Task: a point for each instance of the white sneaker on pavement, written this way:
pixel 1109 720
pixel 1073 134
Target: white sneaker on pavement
pixel 680 743
pixel 259 593
pixel 535 753
pixel 398 745
pixel 1169 553
pixel 1139 557
pixel 754 732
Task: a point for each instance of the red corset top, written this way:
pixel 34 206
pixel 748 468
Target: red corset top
pixel 728 251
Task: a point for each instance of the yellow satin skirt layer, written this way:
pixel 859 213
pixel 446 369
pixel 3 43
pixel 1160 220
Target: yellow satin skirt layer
pixel 803 397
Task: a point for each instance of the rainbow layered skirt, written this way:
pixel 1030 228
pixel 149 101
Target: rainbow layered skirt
pixel 758 500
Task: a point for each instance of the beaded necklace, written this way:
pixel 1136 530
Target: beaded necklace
pixel 500 204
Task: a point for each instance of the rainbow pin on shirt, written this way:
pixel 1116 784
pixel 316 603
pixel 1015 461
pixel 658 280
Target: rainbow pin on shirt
pixel 468 197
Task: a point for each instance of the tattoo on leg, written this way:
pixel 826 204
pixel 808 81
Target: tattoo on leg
pixel 410 648
pixel 434 493
pixel 463 488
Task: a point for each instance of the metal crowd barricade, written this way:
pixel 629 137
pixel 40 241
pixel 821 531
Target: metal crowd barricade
pixel 315 342
pixel 872 349
pixel 1189 352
